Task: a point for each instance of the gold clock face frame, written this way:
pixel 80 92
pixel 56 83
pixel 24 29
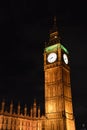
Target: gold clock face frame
pixel 65 58
pixel 52 57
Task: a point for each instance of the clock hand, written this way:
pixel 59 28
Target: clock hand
pixel 51 57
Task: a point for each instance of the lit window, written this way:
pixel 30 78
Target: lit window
pixel 55 36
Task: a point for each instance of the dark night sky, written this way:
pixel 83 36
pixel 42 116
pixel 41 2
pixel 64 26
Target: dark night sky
pixel 24 27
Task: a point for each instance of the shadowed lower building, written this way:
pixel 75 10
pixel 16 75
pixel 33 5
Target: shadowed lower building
pixel 58 98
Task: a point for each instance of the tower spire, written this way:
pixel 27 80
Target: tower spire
pixel 55 24
pixel 54 34
pixel 54 27
pixel 54 19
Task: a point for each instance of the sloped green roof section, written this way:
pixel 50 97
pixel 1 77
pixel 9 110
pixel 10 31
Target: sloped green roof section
pixel 55 48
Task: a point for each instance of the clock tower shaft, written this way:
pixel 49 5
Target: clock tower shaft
pixel 58 98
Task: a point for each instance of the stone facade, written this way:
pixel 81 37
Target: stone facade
pixel 10 120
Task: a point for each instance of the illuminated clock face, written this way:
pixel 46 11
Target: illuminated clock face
pixel 65 58
pixel 52 57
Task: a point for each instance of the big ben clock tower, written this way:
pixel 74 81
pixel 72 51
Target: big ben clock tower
pixel 58 98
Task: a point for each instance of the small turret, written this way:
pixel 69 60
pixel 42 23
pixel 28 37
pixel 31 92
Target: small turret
pixel 39 112
pixel 18 108
pixel 11 107
pixel 3 106
pixel 31 112
pixel 25 110
pixel 34 108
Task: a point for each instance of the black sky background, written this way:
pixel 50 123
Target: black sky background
pixel 24 27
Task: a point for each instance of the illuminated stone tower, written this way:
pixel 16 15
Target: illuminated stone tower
pixel 58 98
